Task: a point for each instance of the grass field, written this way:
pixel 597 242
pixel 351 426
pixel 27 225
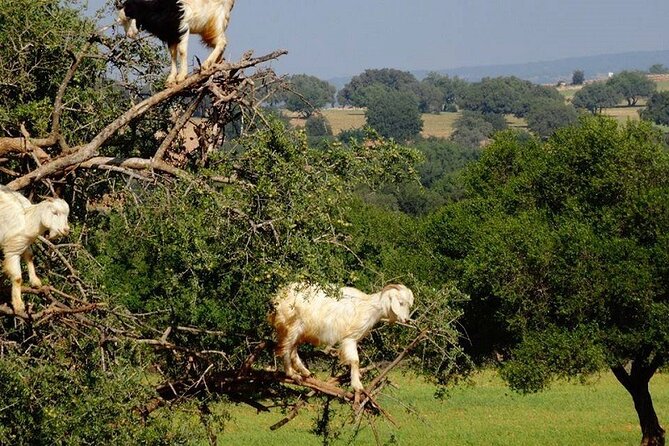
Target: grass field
pixel 483 412
pixel 439 126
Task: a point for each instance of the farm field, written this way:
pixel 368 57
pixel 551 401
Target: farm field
pixel 622 114
pixel 438 126
pixel 482 412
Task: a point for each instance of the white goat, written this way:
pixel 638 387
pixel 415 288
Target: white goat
pixel 173 20
pixel 20 224
pixel 306 313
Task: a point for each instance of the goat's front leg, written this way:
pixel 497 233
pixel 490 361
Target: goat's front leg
pixel 288 350
pixel 349 355
pixel 32 275
pixel 298 364
pixel 171 79
pixel 12 267
pixel 182 53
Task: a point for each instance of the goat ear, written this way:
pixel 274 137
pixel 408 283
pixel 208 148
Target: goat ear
pixel 391 302
pixel 395 303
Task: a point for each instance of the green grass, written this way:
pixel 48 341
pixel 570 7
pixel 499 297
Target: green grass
pixel 483 412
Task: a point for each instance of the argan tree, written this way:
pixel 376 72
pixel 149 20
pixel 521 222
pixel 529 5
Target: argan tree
pixel 563 247
pixel 156 308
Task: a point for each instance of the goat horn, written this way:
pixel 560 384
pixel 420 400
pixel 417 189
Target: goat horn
pixel 119 4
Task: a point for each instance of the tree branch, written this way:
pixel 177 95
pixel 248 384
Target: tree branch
pixel 79 155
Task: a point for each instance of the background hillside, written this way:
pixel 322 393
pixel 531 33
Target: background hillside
pixel 552 71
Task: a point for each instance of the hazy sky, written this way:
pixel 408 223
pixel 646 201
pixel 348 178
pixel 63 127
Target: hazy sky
pixel 330 38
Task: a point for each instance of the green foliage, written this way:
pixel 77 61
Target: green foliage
pixel 308 93
pixel 472 129
pixel 657 108
pixel 504 95
pixel 354 93
pixel 564 241
pixel 358 134
pixel 578 77
pixel 430 98
pixel 632 85
pixel 34 61
pixel 394 114
pixel 443 161
pixel 60 401
pixel 549 354
pixel 451 88
pixel 596 96
pixel 546 117
pixel 317 126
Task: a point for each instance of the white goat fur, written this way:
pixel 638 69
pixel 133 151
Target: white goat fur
pixel 207 18
pixel 20 224
pixel 306 313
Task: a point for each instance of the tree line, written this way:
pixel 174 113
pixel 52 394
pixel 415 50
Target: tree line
pixel 394 99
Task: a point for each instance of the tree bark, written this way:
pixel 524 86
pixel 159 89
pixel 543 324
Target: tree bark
pixel 636 382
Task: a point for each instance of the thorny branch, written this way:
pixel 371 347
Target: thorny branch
pixel 226 82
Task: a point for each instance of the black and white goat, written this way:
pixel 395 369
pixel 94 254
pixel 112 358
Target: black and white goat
pixel 172 21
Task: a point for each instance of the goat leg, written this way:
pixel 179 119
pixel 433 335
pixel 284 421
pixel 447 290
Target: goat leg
pixel 32 275
pixel 12 266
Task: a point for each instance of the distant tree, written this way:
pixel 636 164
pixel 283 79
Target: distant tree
pixel 497 121
pixel 545 117
pixel 632 85
pixel 504 95
pixel 594 97
pixel 658 68
pixel 657 108
pixel 578 77
pixel 317 125
pixel 444 161
pixel 395 114
pixel 308 93
pixel 353 93
pixel 451 88
pixel 471 129
pixel 430 98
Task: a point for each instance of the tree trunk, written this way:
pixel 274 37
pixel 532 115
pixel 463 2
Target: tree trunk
pixel 636 382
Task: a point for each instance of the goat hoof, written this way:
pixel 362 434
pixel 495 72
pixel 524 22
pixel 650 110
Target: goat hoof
pixel 20 312
pixel 295 377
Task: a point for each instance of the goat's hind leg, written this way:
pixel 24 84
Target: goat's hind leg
pixel 221 41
